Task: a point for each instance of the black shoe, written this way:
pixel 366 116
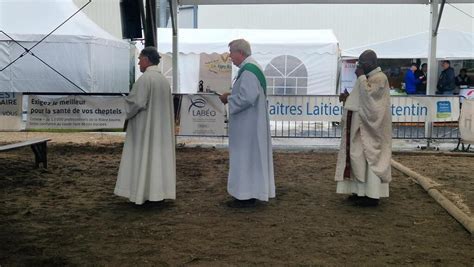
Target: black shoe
pixel 367 202
pixel 235 203
pixel 353 198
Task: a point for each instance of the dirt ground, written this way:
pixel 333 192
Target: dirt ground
pixel 68 215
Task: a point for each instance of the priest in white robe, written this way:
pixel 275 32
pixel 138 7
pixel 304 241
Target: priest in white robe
pixel 363 164
pixel 148 166
pixel 250 146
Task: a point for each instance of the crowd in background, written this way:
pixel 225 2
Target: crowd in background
pixel 415 79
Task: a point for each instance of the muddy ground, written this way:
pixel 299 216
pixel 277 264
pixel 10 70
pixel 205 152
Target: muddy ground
pixel 68 215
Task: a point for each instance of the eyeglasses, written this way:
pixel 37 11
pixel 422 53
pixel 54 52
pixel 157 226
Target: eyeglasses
pixel 360 63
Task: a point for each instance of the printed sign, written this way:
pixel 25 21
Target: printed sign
pixel 202 114
pixel 328 108
pixel 422 109
pixel 10 111
pixel 215 72
pixel 304 108
pixel 443 109
pixel 467 93
pixel 466 122
pixel 75 112
pixel 348 76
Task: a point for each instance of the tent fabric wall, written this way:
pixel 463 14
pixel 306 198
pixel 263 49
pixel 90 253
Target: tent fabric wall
pixel 80 50
pixel 317 49
pixel 451 44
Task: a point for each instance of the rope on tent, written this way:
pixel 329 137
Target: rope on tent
pixel 28 50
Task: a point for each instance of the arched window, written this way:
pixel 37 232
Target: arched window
pixel 286 75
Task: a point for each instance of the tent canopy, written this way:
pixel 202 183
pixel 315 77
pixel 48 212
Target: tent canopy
pixel 452 44
pixel 80 50
pixel 311 53
pixel 262 41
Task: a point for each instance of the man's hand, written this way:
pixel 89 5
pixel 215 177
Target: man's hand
pixel 343 96
pixel 359 72
pixel 125 125
pixel 224 97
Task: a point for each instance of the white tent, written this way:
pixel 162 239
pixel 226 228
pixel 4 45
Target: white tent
pixel 80 50
pixel 451 45
pixel 311 53
pixel 436 8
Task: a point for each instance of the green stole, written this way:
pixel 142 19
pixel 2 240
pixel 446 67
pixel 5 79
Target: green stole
pixel 255 70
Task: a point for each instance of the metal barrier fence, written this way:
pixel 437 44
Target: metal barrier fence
pixel 305 129
pixel 420 117
pixel 411 126
pixel 400 130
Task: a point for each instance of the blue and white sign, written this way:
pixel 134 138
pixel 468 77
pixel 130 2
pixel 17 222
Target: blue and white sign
pixel 304 108
pixel 443 109
pixel 203 115
pixel 10 111
pixel 328 108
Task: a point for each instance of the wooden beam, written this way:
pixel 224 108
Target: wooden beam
pixel 432 188
pixel 250 2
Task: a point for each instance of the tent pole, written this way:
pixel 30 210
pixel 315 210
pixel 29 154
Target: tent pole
pixel 439 16
pixel 162 13
pixel 174 20
pixel 432 63
pixel 195 16
pixel 432 69
pixel 150 20
pixel 142 17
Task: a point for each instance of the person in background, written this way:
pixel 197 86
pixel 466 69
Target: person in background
pixel 446 81
pixel 410 81
pixel 363 162
pixel 250 144
pixel 462 79
pixel 421 74
pixel 148 166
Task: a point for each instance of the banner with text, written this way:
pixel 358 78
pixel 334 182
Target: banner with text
pixel 304 108
pixel 466 122
pixel 75 112
pixel 328 108
pixel 202 114
pixel 215 72
pixel 348 76
pixel 10 111
pixel 466 93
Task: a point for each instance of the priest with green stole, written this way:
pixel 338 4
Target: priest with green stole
pixel 250 146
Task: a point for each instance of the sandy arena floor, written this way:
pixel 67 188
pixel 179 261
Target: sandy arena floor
pixel 68 215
